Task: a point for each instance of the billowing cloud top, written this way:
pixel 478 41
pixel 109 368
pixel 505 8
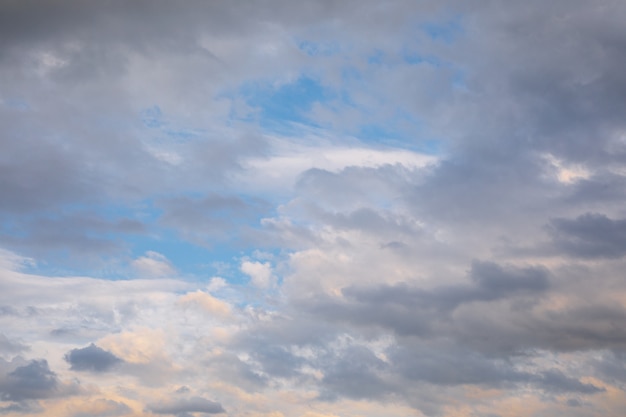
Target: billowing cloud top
pixel 312 209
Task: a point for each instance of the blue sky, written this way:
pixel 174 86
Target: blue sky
pixel 314 209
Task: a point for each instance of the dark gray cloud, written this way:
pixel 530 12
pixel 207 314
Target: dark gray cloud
pixel 184 407
pixel 591 235
pixel 448 365
pixel 454 365
pixel 599 189
pixel 412 310
pixel 92 358
pixel 31 381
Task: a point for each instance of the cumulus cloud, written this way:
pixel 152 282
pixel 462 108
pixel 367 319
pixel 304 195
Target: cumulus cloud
pixel 206 302
pixel 91 358
pixel 260 273
pixel 24 383
pixel 32 381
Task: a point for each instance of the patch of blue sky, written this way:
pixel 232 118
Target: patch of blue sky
pixel 289 102
pixel 197 259
pixel 385 135
pixel 403 131
pixel 153 118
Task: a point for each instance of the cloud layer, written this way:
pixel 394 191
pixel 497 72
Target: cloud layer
pixel 312 209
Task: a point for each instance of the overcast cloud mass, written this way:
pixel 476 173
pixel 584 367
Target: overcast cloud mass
pixel 313 209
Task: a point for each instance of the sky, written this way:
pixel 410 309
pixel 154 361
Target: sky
pixel 312 209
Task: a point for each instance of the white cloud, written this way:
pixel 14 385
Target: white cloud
pixel 279 171
pixel 207 302
pixel 153 265
pixel 260 274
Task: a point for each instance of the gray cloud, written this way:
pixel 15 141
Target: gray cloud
pixel 355 373
pixel 590 235
pixel 184 407
pixel 92 358
pixel 23 382
pixel 514 85
pixel 32 381
pixel 555 381
pixel 11 347
pixel 411 310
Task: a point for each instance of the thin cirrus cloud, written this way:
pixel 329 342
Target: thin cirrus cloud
pixel 312 209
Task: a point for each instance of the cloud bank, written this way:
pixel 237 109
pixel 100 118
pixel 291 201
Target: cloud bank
pixel 316 209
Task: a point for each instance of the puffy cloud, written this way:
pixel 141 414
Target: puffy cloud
pixel 153 265
pixel 260 273
pixel 91 358
pixel 24 383
pixel 207 302
pixel 32 381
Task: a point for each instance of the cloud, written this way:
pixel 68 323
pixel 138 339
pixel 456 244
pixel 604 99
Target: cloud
pixel 91 358
pixel 183 406
pixel 211 218
pixel 153 265
pixel 23 383
pixel 260 273
pixel 556 381
pixel 10 347
pixel 207 302
pixel 411 208
pixel 100 407
pixel 32 381
pixel 590 235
